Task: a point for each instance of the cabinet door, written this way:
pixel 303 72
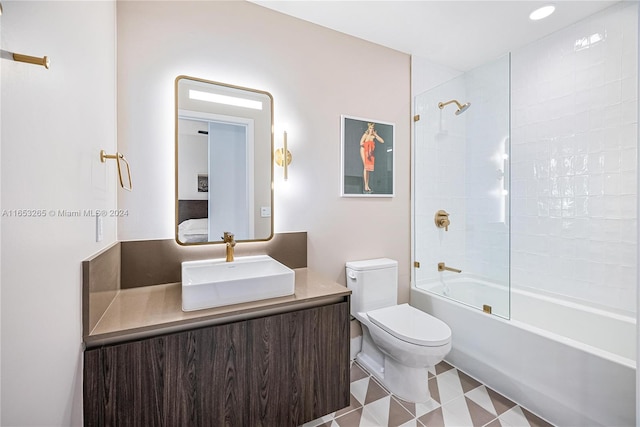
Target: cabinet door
pixel 193 378
pixel 207 382
pixel 298 365
pixel 124 384
pixel 281 370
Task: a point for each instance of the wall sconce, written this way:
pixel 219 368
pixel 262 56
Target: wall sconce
pixel 283 157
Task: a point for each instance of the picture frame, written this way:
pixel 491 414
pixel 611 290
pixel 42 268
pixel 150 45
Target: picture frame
pixel 367 157
pixel 203 183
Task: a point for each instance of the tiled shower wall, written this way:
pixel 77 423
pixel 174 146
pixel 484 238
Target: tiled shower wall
pixel 487 171
pixel 440 158
pixel 459 167
pixel 574 172
pixel 573 166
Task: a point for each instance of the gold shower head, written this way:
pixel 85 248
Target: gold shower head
pixel 461 108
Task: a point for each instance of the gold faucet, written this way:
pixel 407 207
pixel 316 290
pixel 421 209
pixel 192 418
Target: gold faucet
pixel 231 242
pixel 442 267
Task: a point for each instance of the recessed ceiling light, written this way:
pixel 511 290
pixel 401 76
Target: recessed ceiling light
pixel 542 12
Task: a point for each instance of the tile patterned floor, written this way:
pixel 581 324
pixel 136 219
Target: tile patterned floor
pixel 457 400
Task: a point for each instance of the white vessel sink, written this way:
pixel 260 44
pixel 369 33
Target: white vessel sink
pixel 215 282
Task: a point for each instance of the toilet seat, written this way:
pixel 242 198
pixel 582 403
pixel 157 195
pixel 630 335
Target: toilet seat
pixel 411 325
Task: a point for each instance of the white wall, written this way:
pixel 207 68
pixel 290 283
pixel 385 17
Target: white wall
pixel 425 76
pixel 486 174
pixel 314 75
pixel 574 171
pixel 456 161
pixel 638 252
pixel 0 227
pixel 573 162
pixel 192 158
pixel 54 123
pixel 439 177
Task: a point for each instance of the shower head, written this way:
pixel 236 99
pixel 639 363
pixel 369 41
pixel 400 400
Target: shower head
pixel 461 108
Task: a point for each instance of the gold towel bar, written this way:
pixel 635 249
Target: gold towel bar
pixel 44 61
pixel 118 156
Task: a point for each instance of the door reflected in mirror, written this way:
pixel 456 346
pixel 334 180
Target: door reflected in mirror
pixel 224 162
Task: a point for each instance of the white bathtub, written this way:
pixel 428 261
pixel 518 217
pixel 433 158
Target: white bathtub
pixel 584 377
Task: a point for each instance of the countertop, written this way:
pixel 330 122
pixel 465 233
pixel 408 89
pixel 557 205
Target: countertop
pixel 154 310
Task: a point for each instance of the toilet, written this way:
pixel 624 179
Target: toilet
pixel 399 342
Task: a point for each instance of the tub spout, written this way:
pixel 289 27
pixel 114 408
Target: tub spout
pixel 442 267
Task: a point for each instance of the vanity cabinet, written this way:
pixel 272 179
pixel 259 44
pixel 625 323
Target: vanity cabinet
pixel 279 370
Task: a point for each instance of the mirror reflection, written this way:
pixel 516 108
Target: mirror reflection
pixel 224 167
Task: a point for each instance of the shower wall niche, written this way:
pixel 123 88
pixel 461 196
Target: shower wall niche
pixel 461 165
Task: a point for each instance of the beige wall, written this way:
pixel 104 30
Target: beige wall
pixel 314 75
pixel 54 124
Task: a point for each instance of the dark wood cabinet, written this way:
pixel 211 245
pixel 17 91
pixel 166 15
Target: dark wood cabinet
pixel 280 370
pixel 309 352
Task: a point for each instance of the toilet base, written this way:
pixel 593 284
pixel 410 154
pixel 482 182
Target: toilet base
pixel 407 383
pixel 396 379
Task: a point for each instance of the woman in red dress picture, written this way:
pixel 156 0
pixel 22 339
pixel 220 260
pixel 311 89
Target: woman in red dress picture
pixel 367 147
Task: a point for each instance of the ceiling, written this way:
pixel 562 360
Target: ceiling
pixel 456 33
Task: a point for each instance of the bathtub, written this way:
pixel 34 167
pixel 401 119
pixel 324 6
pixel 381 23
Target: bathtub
pixel 556 358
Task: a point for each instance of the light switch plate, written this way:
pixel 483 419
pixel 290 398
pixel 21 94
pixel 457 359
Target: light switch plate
pixel 99 233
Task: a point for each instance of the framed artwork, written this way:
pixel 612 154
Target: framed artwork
pixel 203 183
pixel 367 158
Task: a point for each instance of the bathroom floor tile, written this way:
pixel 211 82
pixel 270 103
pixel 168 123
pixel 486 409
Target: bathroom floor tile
pixel 359 389
pixel 433 418
pixel 357 373
pixel 434 390
pixel 442 367
pixel 455 413
pixel 520 417
pixel 419 409
pixel 490 400
pixel 375 391
pixel 353 405
pixel 467 382
pixel 449 386
pixel 325 421
pixel 457 400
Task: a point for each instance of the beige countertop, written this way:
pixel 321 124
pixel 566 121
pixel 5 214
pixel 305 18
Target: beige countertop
pixel 153 310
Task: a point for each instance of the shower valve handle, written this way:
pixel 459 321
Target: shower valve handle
pixel 442 220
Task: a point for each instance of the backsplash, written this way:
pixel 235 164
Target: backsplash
pixel 100 284
pixel 152 262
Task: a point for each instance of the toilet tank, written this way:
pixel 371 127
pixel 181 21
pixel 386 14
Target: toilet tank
pixel 373 283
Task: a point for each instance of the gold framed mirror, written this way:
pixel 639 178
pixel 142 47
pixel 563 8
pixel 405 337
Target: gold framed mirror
pixel 224 162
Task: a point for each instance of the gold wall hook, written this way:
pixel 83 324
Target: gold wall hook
pixel 118 156
pixel 283 157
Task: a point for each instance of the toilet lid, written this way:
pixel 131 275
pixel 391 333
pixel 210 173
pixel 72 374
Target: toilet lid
pixel 412 325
